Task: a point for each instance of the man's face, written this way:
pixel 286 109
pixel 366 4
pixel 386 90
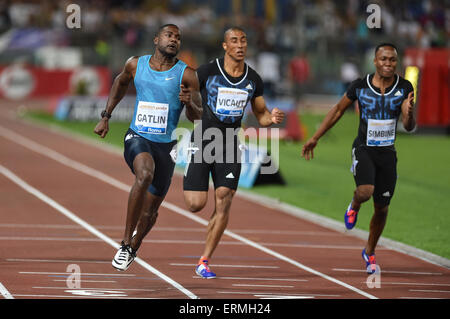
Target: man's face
pixel 386 61
pixel 235 44
pixel 168 41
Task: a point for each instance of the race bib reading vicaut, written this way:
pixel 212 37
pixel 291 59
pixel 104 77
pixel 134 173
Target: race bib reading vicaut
pixel 380 132
pixel 152 117
pixel 231 102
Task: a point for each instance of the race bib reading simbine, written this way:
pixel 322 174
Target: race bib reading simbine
pixel 380 132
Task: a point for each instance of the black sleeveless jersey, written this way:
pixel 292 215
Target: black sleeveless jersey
pixel 378 113
pixel 224 97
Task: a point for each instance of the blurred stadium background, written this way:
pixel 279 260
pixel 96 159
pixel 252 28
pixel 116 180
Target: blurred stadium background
pixel 306 51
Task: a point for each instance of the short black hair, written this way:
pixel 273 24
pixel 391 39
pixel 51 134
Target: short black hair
pixel 165 25
pixel 385 44
pixel 233 28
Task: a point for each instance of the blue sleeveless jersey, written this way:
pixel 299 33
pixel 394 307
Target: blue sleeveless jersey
pixel 157 109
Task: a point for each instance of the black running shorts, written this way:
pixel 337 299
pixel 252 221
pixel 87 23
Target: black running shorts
pixel 375 166
pixel 225 172
pixel 161 154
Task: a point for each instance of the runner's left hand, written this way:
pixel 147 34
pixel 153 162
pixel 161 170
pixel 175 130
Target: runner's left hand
pixel 277 116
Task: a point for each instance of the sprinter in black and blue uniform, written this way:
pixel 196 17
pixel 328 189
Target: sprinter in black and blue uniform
pixel 382 98
pixel 227 85
pixel 164 85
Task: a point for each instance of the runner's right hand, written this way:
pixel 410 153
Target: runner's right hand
pixel 102 127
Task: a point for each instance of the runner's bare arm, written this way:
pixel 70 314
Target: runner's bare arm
pixel 118 90
pixel 408 119
pixel 264 117
pixel 190 94
pixel 328 122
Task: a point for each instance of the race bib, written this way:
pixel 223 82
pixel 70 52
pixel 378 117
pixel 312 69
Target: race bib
pixel 231 102
pixel 380 132
pixel 152 117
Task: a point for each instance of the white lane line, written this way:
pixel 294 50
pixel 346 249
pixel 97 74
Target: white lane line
pixel 419 298
pixel 273 293
pixel 392 271
pixel 84 297
pixel 66 273
pixel 258 279
pixel 14 178
pixel 229 266
pixel 57 261
pixel 412 284
pixel 16 138
pixel 424 290
pixel 4 292
pixel 176 241
pixel 81 280
pixel 270 286
pixel 103 289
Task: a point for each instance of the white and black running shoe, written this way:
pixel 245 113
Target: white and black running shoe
pixel 123 258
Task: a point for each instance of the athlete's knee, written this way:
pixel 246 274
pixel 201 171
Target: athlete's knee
pixel 144 177
pixel 364 192
pixel 224 196
pixel 195 203
pixel 381 210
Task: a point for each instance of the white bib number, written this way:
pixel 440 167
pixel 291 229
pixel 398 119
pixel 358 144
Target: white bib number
pixel 152 117
pixel 380 132
pixel 231 102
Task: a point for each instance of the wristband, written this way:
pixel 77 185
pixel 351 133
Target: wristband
pixel 105 114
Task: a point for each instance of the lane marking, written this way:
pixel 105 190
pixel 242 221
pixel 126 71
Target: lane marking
pixel 58 261
pixel 85 297
pixel 258 279
pixel 111 289
pixel 270 286
pixel 81 280
pixel 11 135
pixel 412 284
pixel 424 290
pixel 67 274
pixel 229 266
pixel 176 241
pixel 4 292
pixel 273 293
pixel 391 271
pixel 14 178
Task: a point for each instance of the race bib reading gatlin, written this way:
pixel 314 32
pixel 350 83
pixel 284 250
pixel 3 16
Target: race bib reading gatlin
pixel 231 102
pixel 152 117
pixel 380 132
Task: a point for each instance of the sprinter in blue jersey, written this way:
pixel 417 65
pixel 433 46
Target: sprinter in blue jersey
pixel 382 98
pixel 164 85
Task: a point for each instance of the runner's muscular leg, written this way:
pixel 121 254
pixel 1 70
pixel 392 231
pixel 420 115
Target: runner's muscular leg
pixel 377 224
pixel 195 200
pixel 219 219
pixel 147 218
pixel 144 167
pixel 362 194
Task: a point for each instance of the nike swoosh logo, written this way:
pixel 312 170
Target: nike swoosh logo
pixel 167 79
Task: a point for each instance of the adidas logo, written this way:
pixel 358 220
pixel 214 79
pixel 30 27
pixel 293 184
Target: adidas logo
pixel 230 175
pixel 387 194
pixel 249 87
pixel 398 93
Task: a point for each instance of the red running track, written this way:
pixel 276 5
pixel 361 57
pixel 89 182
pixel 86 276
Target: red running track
pixel 63 203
